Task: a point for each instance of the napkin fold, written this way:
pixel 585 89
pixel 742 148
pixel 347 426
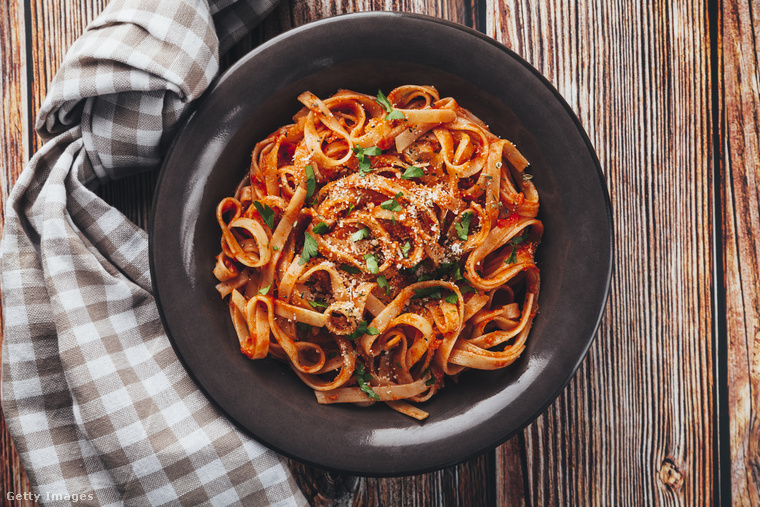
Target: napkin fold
pixel 98 405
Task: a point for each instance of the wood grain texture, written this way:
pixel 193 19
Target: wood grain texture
pixel 14 128
pixel 14 140
pixel 740 52
pixel 635 425
pixel 53 27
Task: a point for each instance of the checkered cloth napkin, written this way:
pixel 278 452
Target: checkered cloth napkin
pixel 99 407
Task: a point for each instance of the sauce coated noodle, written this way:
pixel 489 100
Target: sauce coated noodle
pixel 380 245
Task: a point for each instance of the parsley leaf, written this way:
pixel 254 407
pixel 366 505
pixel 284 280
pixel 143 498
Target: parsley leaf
pixel 310 249
pixel 412 172
pixel 512 257
pixel 449 269
pixel 362 377
pixel 392 204
pixel 433 292
pixel 383 101
pixel 405 249
pixel 318 304
pixel 371 263
pixel 311 181
pixel 363 154
pixel 513 243
pixel 348 268
pixel 360 234
pixel 361 330
pixel 467 288
pixel 463 227
pixel 266 213
pixel 320 228
pixel 393 114
pixel 265 290
pixel 429 382
pixel 382 282
pixel 452 298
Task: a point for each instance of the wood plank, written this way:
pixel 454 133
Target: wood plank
pixel 54 27
pixel 740 167
pixel 14 139
pixel 14 127
pixel 636 422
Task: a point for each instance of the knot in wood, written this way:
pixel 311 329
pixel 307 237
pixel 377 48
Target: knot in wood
pixel 670 475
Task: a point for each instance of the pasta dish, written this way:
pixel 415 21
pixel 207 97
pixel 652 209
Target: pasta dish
pixel 381 244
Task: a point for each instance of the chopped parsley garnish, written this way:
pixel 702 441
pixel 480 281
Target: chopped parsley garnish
pixel 318 304
pixel 405 249
pixel 360 234
pixel 371 263
pixel 450 268
pixel 266 213
pixel 363 154
pixel 412 172
pixel 429 382
pixel 467 288
pixel 451 298
pixel 348 268
pixel 463 227
pixel 513 243
pixel 310 249
pixel 303 326
pixel 392 204
pixel 382 282
pixel 311 181
pixel 320 228
pixel 443 271
pixel 393 114
pixel 361 330
pixel 275 248
pixel 433 292
pixel 362 377
pixel 265 290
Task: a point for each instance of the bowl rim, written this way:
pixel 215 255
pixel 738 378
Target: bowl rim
pixel 219 80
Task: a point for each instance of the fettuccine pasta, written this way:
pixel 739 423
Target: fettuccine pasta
pixel 382 244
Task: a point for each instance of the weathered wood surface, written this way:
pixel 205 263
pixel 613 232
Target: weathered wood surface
pixel 637 420
pixel 659 96
pixel 14 149
pixel 739 123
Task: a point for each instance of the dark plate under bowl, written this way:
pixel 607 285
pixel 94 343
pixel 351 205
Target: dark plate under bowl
pixel 365 52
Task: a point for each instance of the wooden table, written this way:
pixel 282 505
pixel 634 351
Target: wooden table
pixel 665 408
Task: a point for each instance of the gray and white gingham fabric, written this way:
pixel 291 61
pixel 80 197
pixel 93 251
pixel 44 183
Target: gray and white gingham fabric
pixel 99 407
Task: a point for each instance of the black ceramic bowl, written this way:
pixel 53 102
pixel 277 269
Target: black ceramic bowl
pixel 365 52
